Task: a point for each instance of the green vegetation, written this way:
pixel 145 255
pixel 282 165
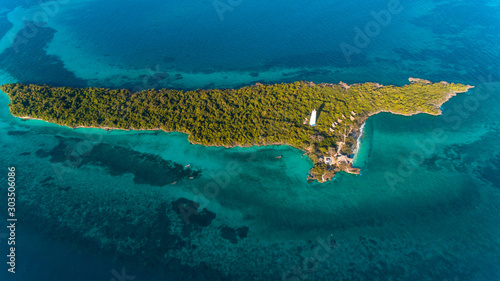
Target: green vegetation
pixel 253 115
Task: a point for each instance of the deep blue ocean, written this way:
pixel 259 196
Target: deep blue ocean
pixel 113 205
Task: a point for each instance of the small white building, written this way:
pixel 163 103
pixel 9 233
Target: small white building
pixel 312 121
pixel 328 160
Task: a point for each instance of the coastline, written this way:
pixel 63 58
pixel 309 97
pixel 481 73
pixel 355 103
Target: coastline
pixel 358 140
pixel 157 129
pixel 327 160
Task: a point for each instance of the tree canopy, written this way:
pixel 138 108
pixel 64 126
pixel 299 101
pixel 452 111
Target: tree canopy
pixel 252 115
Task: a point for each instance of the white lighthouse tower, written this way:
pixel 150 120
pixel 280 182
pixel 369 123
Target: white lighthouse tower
pixel 312 121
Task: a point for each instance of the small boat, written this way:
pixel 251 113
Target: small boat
pixel 190 178
pixel 174 182
pixel 279 157
pixel 187 166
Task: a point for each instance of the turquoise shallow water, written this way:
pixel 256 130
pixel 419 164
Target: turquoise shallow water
pixel 426 206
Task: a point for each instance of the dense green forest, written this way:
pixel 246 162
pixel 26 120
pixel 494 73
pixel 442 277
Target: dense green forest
pixel 253 115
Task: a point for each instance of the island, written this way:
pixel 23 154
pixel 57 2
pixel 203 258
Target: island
pixel 323 120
